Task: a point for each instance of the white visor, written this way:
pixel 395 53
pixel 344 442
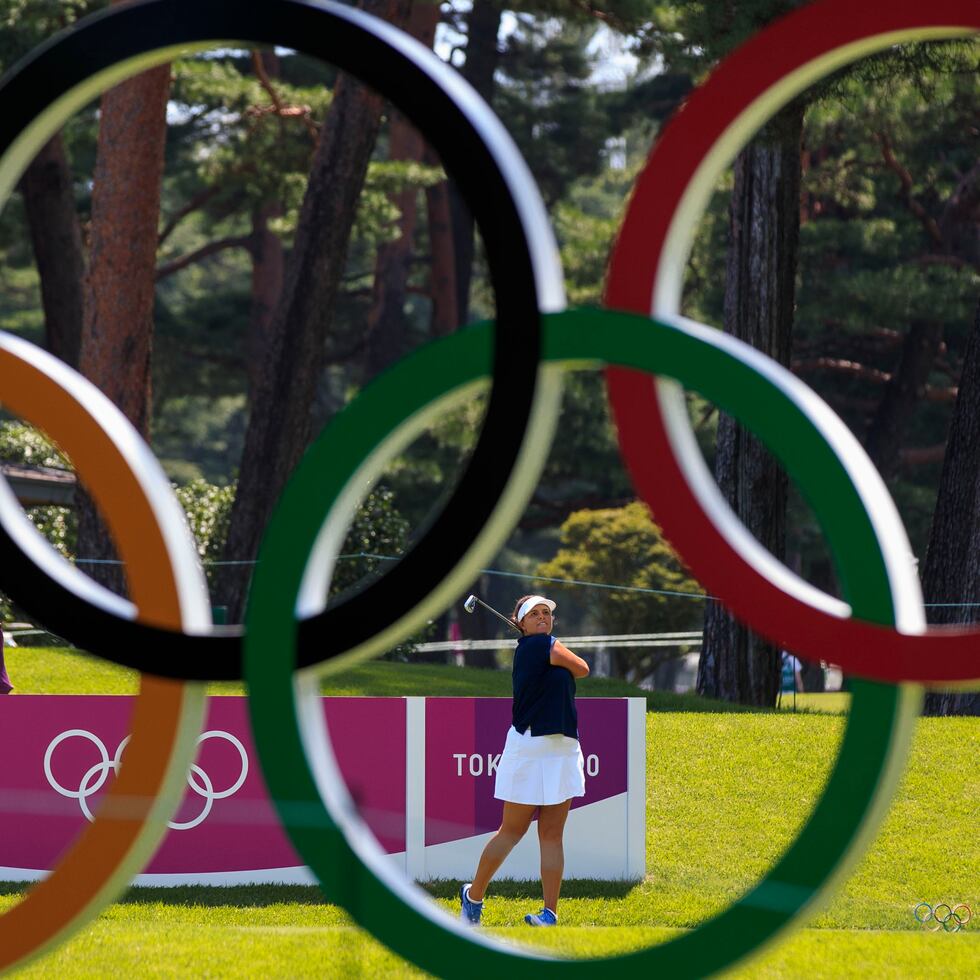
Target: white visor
pixel 529 604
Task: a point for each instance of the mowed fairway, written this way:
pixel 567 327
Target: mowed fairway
pixel 727 792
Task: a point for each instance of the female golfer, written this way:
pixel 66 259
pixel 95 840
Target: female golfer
pixel 541 767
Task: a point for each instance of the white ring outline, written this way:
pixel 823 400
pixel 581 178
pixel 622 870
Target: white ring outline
pixel 237 785
pixel 206 790
pixel 208 800
pixel 55 742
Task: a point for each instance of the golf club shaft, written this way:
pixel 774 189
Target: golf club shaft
pixel 509 622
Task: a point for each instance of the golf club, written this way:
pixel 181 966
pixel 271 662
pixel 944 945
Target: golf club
pixel 470 605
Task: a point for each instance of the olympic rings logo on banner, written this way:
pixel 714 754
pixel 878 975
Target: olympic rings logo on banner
pixel 100 771
pixel 878 632
pixel 943 916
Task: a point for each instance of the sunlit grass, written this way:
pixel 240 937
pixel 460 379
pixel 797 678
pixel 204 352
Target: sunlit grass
pixel 726 793
pixel 64 670
pixel 829 702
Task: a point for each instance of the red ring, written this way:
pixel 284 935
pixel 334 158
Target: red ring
pixel 813 40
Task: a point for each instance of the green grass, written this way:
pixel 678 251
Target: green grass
pixel 300 937
pixel 727 792
pixel 830 703
pixel 63 670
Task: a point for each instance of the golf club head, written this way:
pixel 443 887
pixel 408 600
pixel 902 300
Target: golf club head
pixel 470 604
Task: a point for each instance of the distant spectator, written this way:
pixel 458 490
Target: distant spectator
pixel 792 673
pixel 5 686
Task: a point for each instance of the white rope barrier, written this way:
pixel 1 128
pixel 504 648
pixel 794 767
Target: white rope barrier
pixel 612 640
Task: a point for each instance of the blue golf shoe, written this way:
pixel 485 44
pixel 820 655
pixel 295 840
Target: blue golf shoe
pixel 543 918
pixel 470 912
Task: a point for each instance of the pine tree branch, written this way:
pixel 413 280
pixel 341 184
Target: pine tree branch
pixel 840 366
pixel 211 248
pixel 281 109
pixel 933 393
pixel 929 223
pixel 922 455
pixel 705 417
pixel 194 204
pixel 263 76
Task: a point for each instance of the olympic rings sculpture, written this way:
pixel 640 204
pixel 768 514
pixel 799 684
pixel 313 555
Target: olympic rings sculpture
pixel 944 917
pixel 879 633
pixel 100 772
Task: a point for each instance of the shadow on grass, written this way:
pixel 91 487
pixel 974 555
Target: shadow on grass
pixel 263 896
pixel 691 703
pixel 240 896
pixel 507 888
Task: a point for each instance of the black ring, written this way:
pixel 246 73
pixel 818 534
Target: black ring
pixel 490 175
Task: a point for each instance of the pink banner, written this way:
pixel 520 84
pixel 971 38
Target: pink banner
pixel 463 741
pixel 63 751
pixel 421 771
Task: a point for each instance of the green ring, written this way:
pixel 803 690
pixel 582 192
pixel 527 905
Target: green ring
pixel 284 709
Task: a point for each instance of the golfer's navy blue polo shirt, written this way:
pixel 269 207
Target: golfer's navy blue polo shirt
pixel 544 695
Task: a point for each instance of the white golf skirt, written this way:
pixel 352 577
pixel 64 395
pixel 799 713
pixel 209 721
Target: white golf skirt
pixel 539 769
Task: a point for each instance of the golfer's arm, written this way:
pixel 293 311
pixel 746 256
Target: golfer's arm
pixel 561 656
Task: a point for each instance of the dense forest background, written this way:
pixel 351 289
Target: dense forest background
pixel 272 235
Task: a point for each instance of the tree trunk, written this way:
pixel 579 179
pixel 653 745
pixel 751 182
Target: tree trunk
pixel 119 288
pixel 387 325
pixel 483 25
pixel 386 322
pixel 444 318
pixel 268 269
pixel 902 394
pixel 279 418
pixel 442 276
pixel 49 201
pixel 268 264
pixel 737 665
pixel 952 566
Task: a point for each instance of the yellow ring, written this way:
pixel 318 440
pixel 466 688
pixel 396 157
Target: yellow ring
pixel 167 715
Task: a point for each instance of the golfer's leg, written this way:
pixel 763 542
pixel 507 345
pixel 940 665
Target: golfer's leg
pixel 516 820
pixel 551 827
